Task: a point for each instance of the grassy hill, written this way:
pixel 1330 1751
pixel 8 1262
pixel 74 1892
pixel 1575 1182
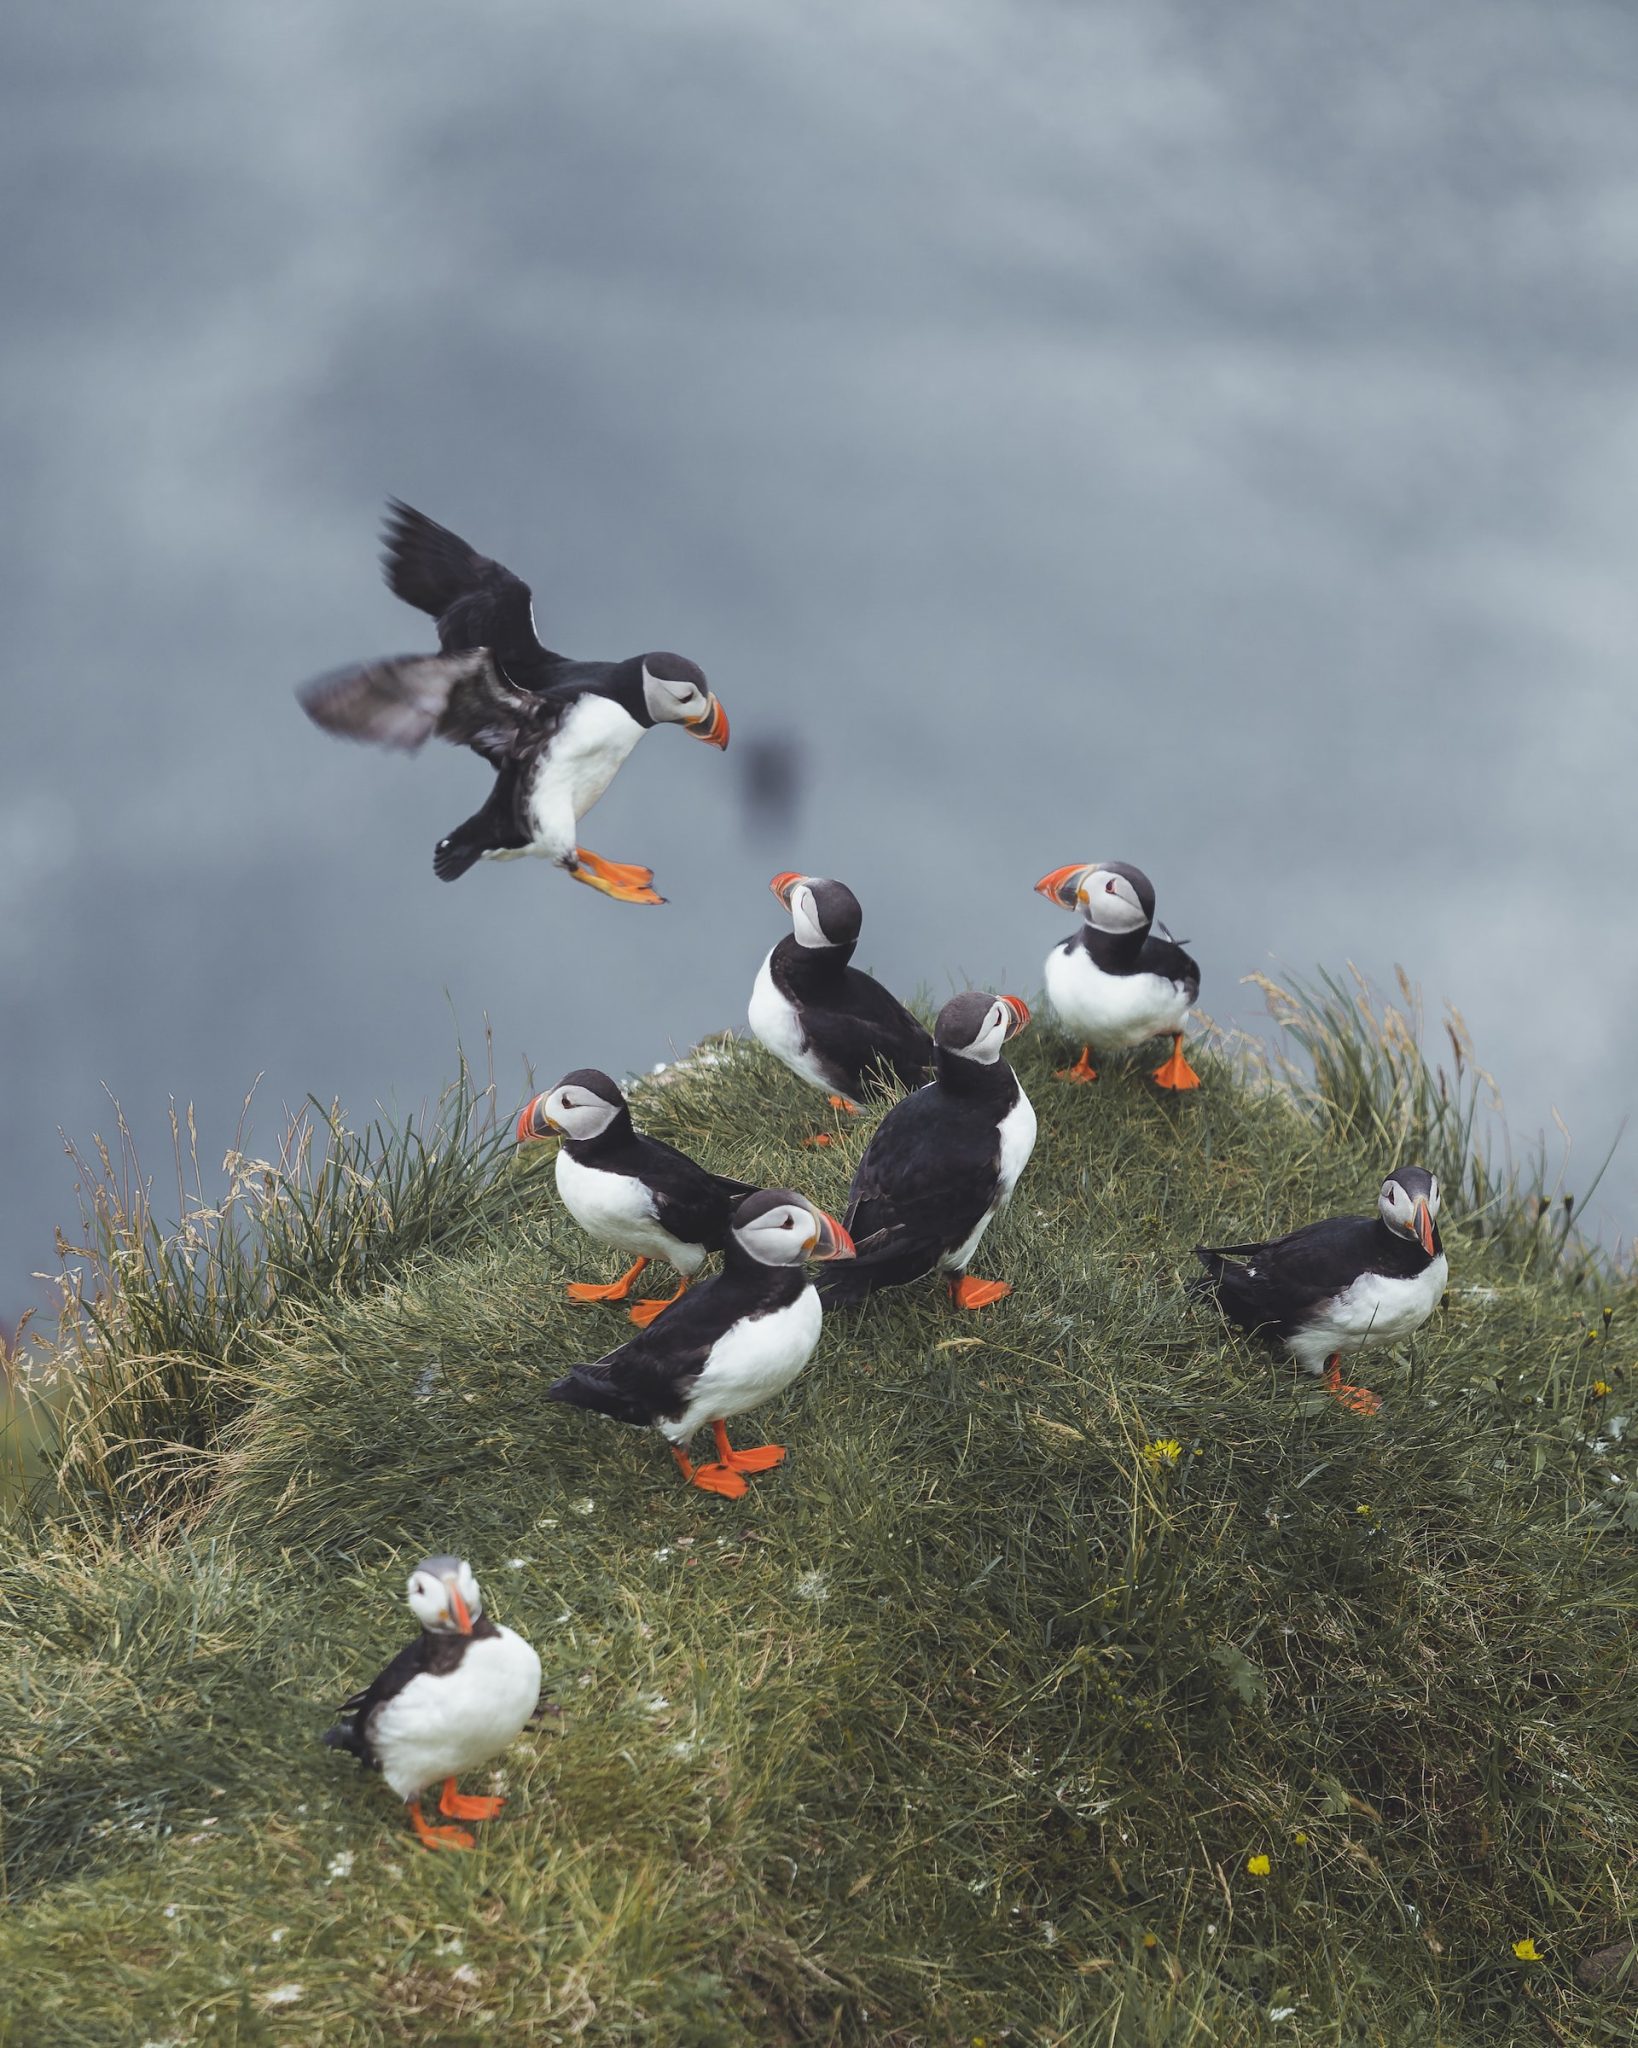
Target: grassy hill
pixel 1082 1676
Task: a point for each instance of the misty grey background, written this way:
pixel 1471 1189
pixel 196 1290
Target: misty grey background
pixel 1198 435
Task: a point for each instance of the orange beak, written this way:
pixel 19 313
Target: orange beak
pixel 1424 1228
pixel 832 1241
pixel 1063 885
pixel 1020 1013
pixel 783 884
pixel 712 723
pixel 458 1607
pixel 533 1122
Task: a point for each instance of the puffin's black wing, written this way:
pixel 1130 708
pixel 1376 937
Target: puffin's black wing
pixel 352 1729
pixel 927 1177
pixel 476 602
pixel 463 698
pixel 1279 1284
pixel 869 1030
pixel 648 1379
pixel 690 1201
pixel 1167 958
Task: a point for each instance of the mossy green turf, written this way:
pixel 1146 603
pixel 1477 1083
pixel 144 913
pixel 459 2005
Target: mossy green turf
pixel 962 1725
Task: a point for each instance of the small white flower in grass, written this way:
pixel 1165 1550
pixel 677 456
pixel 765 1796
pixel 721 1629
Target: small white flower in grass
pixel 654 1703
pixel 585 1507
pixel 685 1746
pixel 516 1564
pixel 1049 1935
pixel 547 1522
pixel 466 1975
pixel 811 1586
pixel 341 1864
pixel 278 1935
pixel 171 1912
pixel 452 1945
pixel 283 1994
pixel 662 1553
pixel 1282 2012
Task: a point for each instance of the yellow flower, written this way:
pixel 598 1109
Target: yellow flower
pixel 1364 1508
pixel 1258 1866
pixel 1151 1941
pixel 1599 1389
pixel 1165 1450
pixel 1300 1839
pixel 1526 1950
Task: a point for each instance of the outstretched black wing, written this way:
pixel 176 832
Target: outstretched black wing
pixel 403 700
pixel 477 602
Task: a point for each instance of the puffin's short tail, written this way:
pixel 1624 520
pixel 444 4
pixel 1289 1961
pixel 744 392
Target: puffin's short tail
pixel 888 1265
pixel 344 1735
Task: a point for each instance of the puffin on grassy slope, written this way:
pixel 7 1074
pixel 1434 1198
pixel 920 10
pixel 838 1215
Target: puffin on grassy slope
pixel 730 1344
pixel 1340 1285
pixel 943 1163
pixel 446 1703
pixel 637 1194
pixel 1114 983
pixel 554 730
pixel 829 1022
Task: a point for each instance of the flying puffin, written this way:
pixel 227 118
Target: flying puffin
pixel 635 1193
pixel 554 730
pixel 446 1703
pixel 1114 983
pixel 1340 1285
pixel 828 1022
pixel 730 1344
pixel 943 1163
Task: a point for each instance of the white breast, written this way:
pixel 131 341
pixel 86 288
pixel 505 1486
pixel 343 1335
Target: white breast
pixel 773 1020
pixel 1017 1143
pixel 585 755
pixel 617 1209
pixel 1377 1309
pixel 1111 1011
pixel 754 1361
pixel 440 1726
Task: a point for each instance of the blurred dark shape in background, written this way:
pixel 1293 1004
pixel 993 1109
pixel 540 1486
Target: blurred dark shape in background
pixel 771 775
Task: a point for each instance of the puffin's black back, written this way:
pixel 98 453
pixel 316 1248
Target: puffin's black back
pixel 693 1203
pixel 1139 952
pixel 1283 1283
pixel 855 1027
pixel 927 1178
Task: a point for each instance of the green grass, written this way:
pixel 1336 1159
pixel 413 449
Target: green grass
pixel 963 1725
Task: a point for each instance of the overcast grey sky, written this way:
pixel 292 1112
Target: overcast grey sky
pixel 1200 436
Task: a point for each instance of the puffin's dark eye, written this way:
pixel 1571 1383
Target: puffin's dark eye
pixel 1109 888
pixel 788 1224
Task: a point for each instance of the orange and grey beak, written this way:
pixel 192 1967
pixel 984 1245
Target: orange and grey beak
pixel 1020 1013
pixel 1424 1228
pixel 1063 885
pixel 783 884
pixel 712 723
pixel 458 1607
pixel 831 1241
pixel 533 1122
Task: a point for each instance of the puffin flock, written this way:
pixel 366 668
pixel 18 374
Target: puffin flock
pixel 941 1165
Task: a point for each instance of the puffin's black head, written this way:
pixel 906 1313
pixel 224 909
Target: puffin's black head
pixel 582 1105
pixel 1112 895
pixel 778 1227
pixel 975 1025
pixel 444 1596
pixel 1409 1205
pixel 675 692
pixel 823 913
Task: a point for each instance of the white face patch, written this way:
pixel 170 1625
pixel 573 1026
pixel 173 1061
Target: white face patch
pixel 578 1113
pixel 1112 903
pixel 805 918
pixel 1398 1210
pixel 429 1599
pixel 671 702
pixel 779 1237
pixel 986 1047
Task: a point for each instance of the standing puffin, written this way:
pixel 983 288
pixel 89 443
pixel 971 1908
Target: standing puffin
pixel 1340 1285
pixel 1114 983
pixel 635 1193
pixel 554 730
pixel 830 1023
pixel 729 1345
pixel 943 1163
pixel 446 1703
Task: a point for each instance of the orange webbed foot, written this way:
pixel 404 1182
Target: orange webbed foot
pixel 1356 1399
pixel 709 1478
pixel 1082 1070
pixel 819 1138
pixel 970 1293
pixel 848 1108
pixel 1176 1072
pixel 468 1806
pixel 438 1838
pixel 615 1290
pixel 642 1313
pixel 624 881
pixel 755 1458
